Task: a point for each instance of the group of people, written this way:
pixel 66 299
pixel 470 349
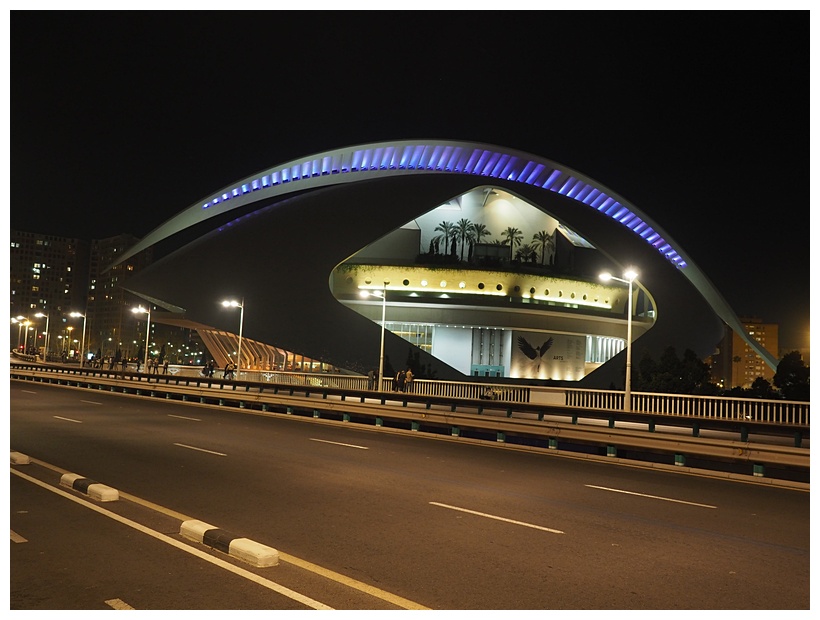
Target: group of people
pixel 153 366
pixel 404 381
pixel 210 367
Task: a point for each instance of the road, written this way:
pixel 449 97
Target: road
pixel 372 518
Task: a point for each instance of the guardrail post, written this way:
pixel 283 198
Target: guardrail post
pixel 611 451
pixel 201 400
pixel 540 416
pixel 346 417
pixel 315 413
pixel 454 431
pixel 221 402
pixel 651 426
pixel 553 443
pixel 696 430
pixel 509 412
pixel 575 419
pixel 379 422
pixel 241 404
pixel 611 422
pixel 758 470
pixel 744 433
pixel 500 437
pixel 680 460
pixel 289 410
pixel 798 439
pixel 414 426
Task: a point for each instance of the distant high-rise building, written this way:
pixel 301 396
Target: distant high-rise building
pixel 111 325
pixel 49 275
pixel 735 364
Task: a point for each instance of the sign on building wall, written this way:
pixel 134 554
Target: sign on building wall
pixel 544 355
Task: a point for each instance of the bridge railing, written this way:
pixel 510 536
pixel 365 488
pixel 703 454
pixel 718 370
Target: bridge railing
pixel 709 407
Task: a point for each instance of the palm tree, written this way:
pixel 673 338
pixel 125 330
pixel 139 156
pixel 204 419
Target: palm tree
pixel 447 229
pixel 463 230
pixel 545 240
pixel 477 233
pixel 514 237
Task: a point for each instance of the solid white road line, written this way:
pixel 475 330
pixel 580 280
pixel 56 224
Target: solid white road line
pixel 666 499
pixel 482 514
pixel 182 445
pixel 182 417
pixel 241 572
pixel 347 445
pixel 67 419
pixel 90 402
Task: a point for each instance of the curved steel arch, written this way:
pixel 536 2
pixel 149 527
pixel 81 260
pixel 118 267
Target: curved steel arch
pixel 410 157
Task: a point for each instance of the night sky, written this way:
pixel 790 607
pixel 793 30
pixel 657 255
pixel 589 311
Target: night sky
pixel 120 120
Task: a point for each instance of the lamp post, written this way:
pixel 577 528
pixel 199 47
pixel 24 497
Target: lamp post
pixel 19 320
pixel 68 329
pixel 27 325
pixel 629 277
pixel 241 305
pixel 142 310
pixel 383 295
pixel 45 344
pixel 82 345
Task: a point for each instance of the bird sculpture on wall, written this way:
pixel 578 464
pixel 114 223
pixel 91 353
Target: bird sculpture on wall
pixel 536 353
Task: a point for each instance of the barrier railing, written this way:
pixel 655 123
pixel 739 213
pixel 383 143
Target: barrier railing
pixel 708 407
pixel 555 427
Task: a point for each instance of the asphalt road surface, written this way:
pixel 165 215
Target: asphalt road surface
pixel 371 518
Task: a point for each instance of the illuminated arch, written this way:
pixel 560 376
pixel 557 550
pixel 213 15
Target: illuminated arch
pixel 424 157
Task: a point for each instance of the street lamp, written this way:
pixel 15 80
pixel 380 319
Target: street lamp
pixel 383 296
pixel 241 305
pixel 629 277
pixel 45 344
pixel 82 345
pixel 69 329
pixel 142 310
pixel 27 324
pixel 19 320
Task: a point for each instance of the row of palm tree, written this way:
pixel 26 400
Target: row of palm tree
pixel 469 233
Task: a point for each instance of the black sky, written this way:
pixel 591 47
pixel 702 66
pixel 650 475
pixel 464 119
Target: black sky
pixel 119 120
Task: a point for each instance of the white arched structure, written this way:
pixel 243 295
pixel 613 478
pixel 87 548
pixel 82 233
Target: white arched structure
pixel 412 157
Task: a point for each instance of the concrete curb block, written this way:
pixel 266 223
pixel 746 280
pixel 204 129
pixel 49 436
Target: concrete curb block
pixel 94 490
pixel 243 549
pixel 19 459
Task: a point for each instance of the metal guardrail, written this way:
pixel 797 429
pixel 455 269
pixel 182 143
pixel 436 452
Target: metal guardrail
pixel 527 422
pixel 711 407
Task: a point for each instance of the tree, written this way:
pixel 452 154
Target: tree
pixel 514 237
pixel 545 240
pixel 446 228
pixel 672 375
pixel 479 232
pixel 792 377
pixel 463 230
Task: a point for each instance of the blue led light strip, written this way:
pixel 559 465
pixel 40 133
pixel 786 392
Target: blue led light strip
pixel 456 159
